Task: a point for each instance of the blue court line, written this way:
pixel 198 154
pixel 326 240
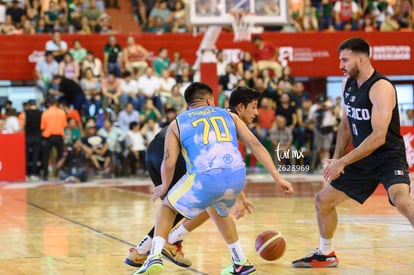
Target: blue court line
pixel 96 230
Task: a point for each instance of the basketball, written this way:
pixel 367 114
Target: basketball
pixel 270 245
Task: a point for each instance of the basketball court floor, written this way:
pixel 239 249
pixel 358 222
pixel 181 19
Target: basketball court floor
pixel 54 228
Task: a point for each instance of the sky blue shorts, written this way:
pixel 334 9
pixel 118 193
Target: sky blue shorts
pixel 219 188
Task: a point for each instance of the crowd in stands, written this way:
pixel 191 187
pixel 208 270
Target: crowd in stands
pixel 304 15
pixel 103 113
pixel 66 16
pixel 160 16
pixel 367 15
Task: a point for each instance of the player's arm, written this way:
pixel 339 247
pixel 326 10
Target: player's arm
pixel 171 152
pixel 260 152
pixel 105 60
pixel 382 96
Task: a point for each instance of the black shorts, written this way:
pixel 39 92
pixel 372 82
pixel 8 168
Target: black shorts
pixel 362 177
pixel 102 158
pixel 153 164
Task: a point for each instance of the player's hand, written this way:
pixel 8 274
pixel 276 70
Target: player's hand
pixel 158 192
pixel 241 207
pixel 285 186
pixel 333 170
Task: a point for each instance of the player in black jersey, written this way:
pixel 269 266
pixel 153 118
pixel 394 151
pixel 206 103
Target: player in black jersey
pixel 243 102
pixel 371 122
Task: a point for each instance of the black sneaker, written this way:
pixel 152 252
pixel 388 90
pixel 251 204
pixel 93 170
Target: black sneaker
pixel 317 259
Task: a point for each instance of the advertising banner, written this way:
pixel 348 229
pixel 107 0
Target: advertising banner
pixel 408 133
pixel 12 157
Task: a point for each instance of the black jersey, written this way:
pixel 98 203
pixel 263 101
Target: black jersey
pixel 358 110
pixel 32 124
pixel 154 156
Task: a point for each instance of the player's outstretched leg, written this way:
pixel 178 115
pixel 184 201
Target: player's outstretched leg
pixel 240 264
pixel 400 196
pixel 325 203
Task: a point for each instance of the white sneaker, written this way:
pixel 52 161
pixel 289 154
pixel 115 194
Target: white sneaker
pixel 34 178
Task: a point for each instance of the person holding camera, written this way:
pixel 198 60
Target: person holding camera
pixel 321 115
pixel 72 166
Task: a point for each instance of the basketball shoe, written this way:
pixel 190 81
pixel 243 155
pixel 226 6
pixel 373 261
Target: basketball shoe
pixel 152 266
pixel 317 259
pixel 134 258
pixel 244 268
pixel 174 253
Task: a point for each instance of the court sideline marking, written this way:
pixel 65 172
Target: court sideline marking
pixel 95 230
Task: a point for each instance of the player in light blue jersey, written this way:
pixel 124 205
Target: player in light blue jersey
pixel 207 137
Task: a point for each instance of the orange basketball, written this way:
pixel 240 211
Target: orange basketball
pixel 270 245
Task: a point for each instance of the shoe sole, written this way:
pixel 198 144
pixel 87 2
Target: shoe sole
pixel 315 264
pixel 247 272
pixel 170 258
pixel 154 269
pixel 132 263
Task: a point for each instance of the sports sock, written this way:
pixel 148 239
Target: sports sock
pixel 236 252
pixel 177 234
pixel 145 245
pixel 157 245
pixel 325 246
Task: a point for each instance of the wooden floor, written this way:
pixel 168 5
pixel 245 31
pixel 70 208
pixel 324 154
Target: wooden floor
pixel 87 229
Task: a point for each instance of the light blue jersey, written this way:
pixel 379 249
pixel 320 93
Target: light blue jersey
pixel 209 139
pixel 216 171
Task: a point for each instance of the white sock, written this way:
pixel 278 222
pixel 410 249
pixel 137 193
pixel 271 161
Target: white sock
pixel 177 234
pixel 325 246
pixel 236 252
pixel 157 245
pixel 144 246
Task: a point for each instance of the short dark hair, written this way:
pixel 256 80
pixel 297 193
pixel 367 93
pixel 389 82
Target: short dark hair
pixel 51 100
pixel 355 44
pixel 256 38
pixel 57 76
pixel 197 91
pixel 132 125
pixel 126 74
pixel 170 110
pixel 243 95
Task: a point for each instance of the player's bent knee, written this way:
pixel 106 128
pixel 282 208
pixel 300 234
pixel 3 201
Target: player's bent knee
pixel 399 195
pixel 401 202
pixel 323 201
pixel 167 204
pixel 318 202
